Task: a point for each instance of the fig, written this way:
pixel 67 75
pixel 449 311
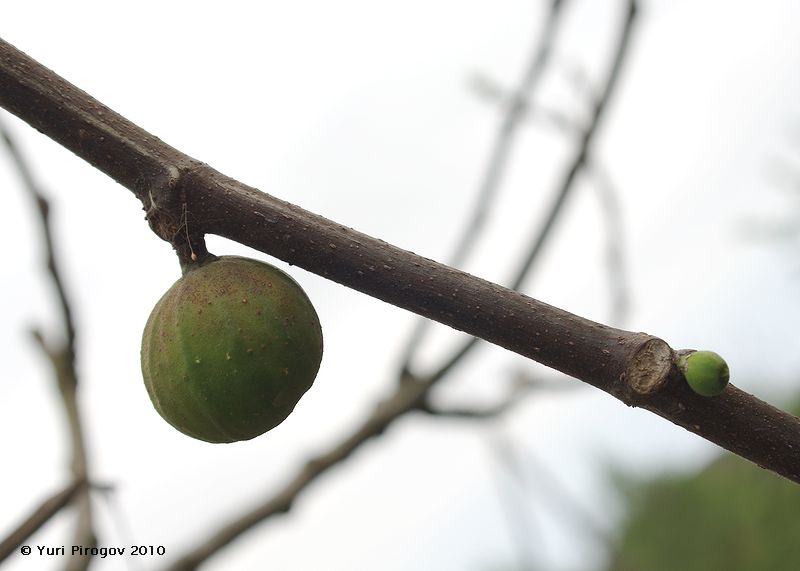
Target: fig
pixel 230 348
pixel 705 371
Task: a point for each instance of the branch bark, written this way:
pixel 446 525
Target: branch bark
pixel 636 368
pixel 499 157
pixel 545 231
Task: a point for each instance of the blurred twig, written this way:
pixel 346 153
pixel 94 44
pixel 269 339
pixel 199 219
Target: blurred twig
pixel 62 358
pixel 408 397
pixel 542 236
pixel 519 518
pixel 615 242
pixel 508 462
pixel 119 521
pixel 532 475
pixel 41 515
pixel 782 228
pixel 488 89
pixel 519 388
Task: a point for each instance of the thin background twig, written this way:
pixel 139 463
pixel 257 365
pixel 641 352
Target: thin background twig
pixel 40 516
pixel 61 356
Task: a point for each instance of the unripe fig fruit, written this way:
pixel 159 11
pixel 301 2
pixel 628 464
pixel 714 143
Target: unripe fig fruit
pixel 230 348
pixel 706 372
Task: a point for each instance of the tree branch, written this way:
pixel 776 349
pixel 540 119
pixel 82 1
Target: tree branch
pixel 581 155
pixel 62 358
pixel 498 158
pixel 469 413
pixel 634 367
pixel 520 388
pixel 41 515
pixel 533 476
pixel 408 396
pixel 578 163
pixel 615 256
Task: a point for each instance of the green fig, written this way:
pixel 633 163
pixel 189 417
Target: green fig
pixel 706 372
pixel 230 348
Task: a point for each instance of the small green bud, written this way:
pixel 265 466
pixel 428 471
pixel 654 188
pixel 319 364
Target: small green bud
pixel 706 372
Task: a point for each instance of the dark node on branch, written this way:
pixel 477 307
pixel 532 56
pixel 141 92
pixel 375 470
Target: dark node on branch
pixel 162 204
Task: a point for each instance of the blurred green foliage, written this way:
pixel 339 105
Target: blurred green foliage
pixel 732 515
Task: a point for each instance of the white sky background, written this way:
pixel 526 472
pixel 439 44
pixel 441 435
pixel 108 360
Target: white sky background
pixel 361 111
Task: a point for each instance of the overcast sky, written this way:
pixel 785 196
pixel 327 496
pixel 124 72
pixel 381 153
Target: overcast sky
pixel 363 112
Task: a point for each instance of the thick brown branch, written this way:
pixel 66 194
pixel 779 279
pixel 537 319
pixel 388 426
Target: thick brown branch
pixel 130 155
pixel 545 231
pixel 594 353
pixel 499 156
